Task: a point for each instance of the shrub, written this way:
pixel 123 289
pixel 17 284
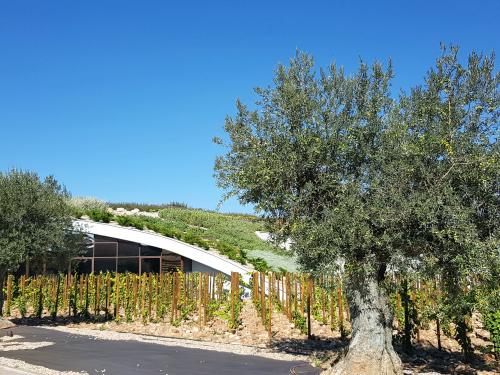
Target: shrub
pixel 130 221
pixel 492 324
pixel 260 264
pixel 100 215
pixel 123 221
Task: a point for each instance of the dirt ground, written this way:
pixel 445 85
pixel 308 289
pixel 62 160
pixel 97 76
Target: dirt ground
pixel 324 347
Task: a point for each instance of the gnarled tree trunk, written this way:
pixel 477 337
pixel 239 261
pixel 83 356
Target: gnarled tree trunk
pixel 370 351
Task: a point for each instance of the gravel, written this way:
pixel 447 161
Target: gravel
pixel 35 370
pixel 9 343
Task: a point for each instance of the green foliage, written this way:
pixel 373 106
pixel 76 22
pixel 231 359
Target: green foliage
pixel 130 221
pixel 35 222
pixel 98 214
pixel 233 235
pixel 349 171
pixel 492 324
pixel 34 217
pixel 300 322
pixel 260 264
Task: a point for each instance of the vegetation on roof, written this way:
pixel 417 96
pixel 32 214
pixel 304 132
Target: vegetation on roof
pixel 145 207
pixel 232 235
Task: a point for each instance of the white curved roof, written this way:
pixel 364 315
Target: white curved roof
pixel 195 253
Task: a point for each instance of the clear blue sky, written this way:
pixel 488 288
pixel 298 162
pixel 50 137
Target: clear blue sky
pixel 120 99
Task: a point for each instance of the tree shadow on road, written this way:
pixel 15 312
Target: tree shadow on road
pixel 307 347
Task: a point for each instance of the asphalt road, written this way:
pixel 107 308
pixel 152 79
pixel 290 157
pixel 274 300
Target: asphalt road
pixel 85 353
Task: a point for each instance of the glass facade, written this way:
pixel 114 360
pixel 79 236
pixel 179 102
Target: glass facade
pixel 114 255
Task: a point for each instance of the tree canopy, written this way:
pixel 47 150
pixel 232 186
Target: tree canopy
pixel 350 171
pixel 35 221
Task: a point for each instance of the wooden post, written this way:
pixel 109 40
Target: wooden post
pixel 270 294
pixel 283 288
pixel 233 318
pixel 346 309
pixel 40 298
pixel 407 345
pixel 309 292
pixel 418 301
pixel 302 293
pixel 212 279
pixel 205 298
pixel 340 306
pixel 278 288
pixel 9 294
pixel 117 297
pixel 143 281
pixel 438 333
pixel 86 295
pixel 108 292
pixel 255 294
pixel 200 296
pixel 175 281
pixel 56 301
pixel 134 294
pixel 80 294
pixel 323 300
pixel 126 297
pixel 150 297
pixel 332 304
pixel 70 283
pixel 263 298
pixel 157 280
pixel 295 297
pixel 434 297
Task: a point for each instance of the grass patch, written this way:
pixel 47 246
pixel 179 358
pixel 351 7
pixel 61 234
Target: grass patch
pixel 229 229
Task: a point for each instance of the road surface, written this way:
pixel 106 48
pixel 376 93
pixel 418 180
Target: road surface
pixel 72 352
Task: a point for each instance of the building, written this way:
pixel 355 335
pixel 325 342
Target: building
pixel 124 249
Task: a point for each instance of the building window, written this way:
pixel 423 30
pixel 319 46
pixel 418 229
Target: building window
pixel 113 255
pixel 128 265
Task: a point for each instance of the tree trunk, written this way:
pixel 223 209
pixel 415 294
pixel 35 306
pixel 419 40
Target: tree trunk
pixel 370 350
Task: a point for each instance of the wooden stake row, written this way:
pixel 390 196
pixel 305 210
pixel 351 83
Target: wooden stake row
pixel 128 297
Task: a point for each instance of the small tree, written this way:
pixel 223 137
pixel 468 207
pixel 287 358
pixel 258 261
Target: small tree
pixel 35 221
pixel 351 173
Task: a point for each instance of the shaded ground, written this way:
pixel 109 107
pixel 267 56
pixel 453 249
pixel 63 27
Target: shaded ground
pixel 428 359
pixel 86 353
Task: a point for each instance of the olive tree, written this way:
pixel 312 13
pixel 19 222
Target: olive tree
pixel 352 173
pixel 35 222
